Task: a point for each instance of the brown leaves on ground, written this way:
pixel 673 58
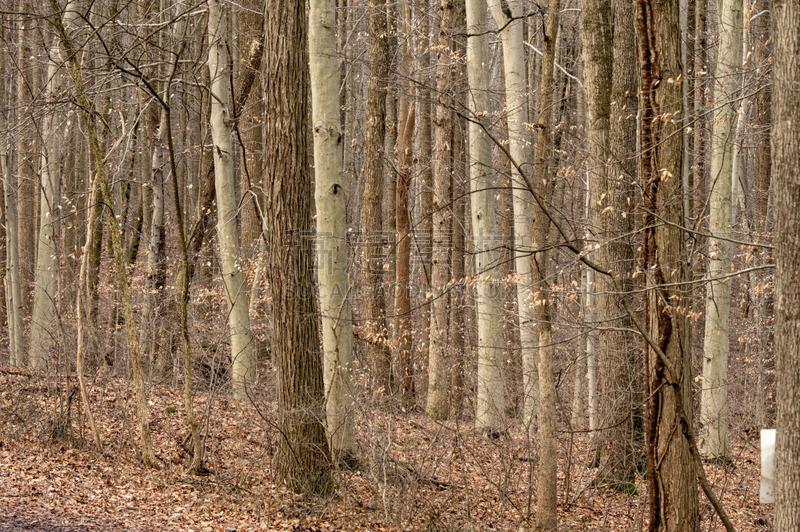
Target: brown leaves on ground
pixel 414 473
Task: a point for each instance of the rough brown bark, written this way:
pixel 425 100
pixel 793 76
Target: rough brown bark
pixel 785 154
pixel 403 243
pixel 672 488
pixel 27 86
pixel 438 399
pixel 701 103
pixel 763 119
pixel 303 460
pixel 612 150
pixel 547 486
pixel 425 223
pixel 373 318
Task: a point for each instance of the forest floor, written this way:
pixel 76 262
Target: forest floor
pixel 414 473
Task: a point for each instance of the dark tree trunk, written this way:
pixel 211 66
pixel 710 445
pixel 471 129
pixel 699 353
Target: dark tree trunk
pixel 672 487
pixel 303 460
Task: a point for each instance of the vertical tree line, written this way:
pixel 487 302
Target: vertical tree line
pixel 207 195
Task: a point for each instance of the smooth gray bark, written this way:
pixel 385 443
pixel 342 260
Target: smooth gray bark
pixel 331 202
pixel 242 361
pixel 488 290
pixel 716 344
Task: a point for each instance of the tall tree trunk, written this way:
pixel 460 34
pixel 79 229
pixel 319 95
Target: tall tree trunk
pixel 516 93
pixel 622 370
pixel 303 460
pixel 785 154
pixel 762 187
pixel 156 268
pixel 458 182
pixel 403 242
pixel 701 102
pixel 372 259
pixel 331 202
pixel 547 485
pixel 27 87
pixel 47 261
pixel 438 399
pixel 488 288
pixel 242 361
pixel 424 235
pixel 597 57
pixel 612 151
pixel 716 344
pixel 14 308
pixel 672 489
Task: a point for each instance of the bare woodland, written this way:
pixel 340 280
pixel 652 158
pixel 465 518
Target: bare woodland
pixel 409 265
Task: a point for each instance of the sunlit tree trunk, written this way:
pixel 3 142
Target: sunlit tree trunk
pixel 488 288
pixel 303 458
pixel 242 361
pixel 331 202
pixel 716 344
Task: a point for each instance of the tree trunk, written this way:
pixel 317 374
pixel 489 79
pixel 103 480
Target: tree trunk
pixel 488 288
pixel 47 255
pixel 16 345
pixel 331 202
pixel 458 178
pixel 763 115
pixel 374 328
pixel 303 459
pixel 716 345
pixel 438 399
pixel 597 57
pixel 622 369
pixel 701 102
pixel 242 361
pixel 785 154
pixel 27 87
pixel 610 104
pixel 672 487
pixel 547 485
pixel 156 274
pixel 424 235
pixel 403 242
pixel 516 93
